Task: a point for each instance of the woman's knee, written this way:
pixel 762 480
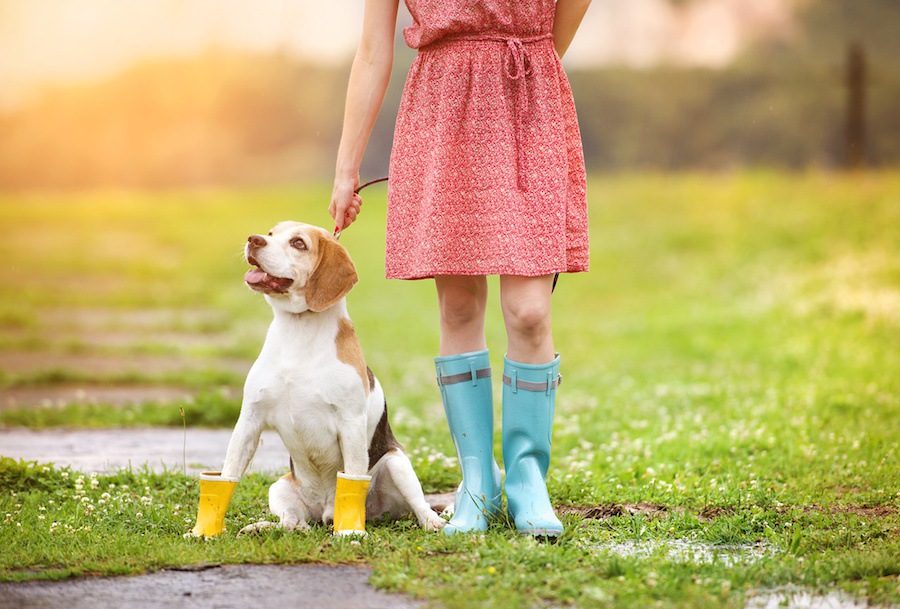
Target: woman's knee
pixel 462 300
pixel 526 306
pixel 527 317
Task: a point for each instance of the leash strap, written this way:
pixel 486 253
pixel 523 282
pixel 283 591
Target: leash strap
pixel 369 183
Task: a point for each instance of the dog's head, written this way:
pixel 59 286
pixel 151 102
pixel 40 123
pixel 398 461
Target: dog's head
pixel 299 267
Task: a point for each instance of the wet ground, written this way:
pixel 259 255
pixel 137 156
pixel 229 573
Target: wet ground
pixel 102 451
pixel 238 586
pixel 194 450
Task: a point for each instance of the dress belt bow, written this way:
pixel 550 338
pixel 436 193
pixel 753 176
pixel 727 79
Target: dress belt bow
pixel 517 68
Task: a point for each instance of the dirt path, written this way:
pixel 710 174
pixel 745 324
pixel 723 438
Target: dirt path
pixel 237 586
pixel 104 450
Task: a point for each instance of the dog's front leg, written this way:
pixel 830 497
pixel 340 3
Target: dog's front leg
pixel 353 482
pixel 354 445
pixel 216 488
pixel 242 445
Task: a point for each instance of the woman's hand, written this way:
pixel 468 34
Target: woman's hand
pixel 345 204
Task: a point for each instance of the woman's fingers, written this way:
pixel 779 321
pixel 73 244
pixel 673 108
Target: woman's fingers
pixel 343 208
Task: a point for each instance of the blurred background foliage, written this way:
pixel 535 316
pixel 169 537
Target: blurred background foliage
pixel 233 118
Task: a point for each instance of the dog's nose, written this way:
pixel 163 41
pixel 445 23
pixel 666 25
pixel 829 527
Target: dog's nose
pixel 257 241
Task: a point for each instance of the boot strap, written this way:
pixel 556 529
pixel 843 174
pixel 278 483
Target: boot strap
pixel 462 377
pixel 529 386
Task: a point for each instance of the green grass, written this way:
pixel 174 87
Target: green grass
pixel 731 361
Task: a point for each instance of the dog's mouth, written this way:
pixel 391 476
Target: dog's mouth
pixel 261 281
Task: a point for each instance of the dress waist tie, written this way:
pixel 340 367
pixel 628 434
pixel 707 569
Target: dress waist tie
pixel 517 68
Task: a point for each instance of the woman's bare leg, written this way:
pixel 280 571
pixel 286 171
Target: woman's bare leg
pixel 462 301
pixel 525 302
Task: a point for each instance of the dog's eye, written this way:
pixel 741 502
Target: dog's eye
pixel 298 243
pixel 270 233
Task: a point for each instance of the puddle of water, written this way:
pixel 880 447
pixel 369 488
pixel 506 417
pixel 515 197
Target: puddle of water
pixel 796 598
pixel 691 551
pixel 228 586
pixel 161 449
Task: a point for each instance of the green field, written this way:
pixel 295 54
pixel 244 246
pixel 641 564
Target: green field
pixel 729 422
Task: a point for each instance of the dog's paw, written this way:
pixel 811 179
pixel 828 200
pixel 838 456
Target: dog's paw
pixel 258 527
pixel 433 522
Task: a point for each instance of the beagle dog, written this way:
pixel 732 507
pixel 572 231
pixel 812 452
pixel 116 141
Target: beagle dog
pixel 311 384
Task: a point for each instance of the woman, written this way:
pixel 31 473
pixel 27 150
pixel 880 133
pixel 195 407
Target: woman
pixel 486 178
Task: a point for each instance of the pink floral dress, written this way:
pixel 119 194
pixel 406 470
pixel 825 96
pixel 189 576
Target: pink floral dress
pixel 487 171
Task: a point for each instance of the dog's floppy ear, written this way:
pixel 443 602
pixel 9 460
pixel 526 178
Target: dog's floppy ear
pixel 332 278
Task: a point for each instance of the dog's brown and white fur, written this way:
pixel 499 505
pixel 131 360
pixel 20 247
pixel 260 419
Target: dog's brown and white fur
pixel 311 384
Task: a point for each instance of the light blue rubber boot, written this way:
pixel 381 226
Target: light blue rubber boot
pixel 529 399
pixel 465 382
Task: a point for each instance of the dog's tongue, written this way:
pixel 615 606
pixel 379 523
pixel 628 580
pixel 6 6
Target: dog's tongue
pixel 255 276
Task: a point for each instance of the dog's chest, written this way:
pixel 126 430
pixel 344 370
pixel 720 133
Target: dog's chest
pixel 300 387
pixel 311 434
pixel 306 400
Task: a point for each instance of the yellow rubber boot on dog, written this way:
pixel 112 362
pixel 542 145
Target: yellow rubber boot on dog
pixel 215 495
pixel 350 505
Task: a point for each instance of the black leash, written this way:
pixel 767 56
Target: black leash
pixel 369 183
pixel 337 234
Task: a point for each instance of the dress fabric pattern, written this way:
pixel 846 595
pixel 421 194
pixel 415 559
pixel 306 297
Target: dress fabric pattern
pixel 487 171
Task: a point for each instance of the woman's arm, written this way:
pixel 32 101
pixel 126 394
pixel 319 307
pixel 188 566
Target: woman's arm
pixel 369 77
pixel 569 14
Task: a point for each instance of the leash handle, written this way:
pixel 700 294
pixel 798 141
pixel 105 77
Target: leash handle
pixel 337 232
